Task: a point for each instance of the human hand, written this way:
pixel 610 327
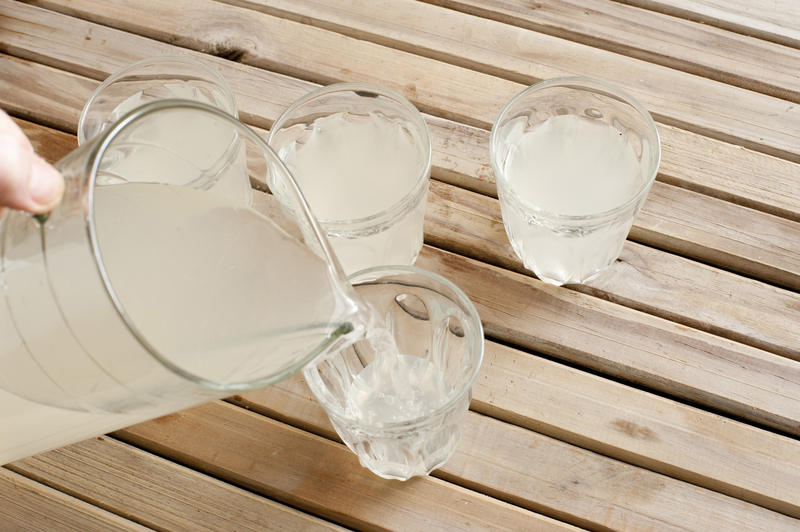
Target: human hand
pixel 27 182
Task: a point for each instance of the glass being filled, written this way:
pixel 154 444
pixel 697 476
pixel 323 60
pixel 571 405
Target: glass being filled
pixel 398 396
pixel 573 164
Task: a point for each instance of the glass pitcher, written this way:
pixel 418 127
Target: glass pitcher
pixel 162 280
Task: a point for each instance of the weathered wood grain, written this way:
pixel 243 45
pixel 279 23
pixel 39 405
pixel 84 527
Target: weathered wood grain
pixel 605 417
pixel 51 144
pixel 689 160
pixel 628 344
pixel 675 42
pixel 156 492
pixel 318 475
pixel 506 461
pixel 756 244
pixel 27 506
pixel 771 20
pixel 643 278
pixel 677 98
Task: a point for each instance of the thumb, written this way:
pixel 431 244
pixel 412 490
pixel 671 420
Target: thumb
pixel 27 182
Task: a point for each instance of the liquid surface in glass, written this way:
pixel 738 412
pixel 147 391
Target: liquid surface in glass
pixel 570 165
pixel 567 165
pixel 351 166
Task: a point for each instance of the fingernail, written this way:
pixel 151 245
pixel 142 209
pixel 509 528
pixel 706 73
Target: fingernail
pixel 45 183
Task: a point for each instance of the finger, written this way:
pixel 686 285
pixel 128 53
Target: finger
pixel 16 157
pixel 27 182
pixel 46 186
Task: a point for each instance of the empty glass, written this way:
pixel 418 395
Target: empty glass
pixel 155 284
pixel 401 412
pixel 148 80
pixel 573 159
pixel 362 157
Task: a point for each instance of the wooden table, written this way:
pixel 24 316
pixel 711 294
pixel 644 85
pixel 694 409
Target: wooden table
pixel 664 395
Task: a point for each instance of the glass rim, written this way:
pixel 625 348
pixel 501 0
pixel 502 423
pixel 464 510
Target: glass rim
pixel 95 156
pixel 410 198
pixel 581 83
pixel 115 76
pixel 472 314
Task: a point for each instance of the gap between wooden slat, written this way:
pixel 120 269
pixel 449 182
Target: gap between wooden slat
pixel 690 102
pixel 511 463
pixel 163 495
pixel 663 394
pixel 689 161
pixel 732 15
pixel 481 45
pixel 26 505
pixel 698 49
pixel 602 416
pixel 318 475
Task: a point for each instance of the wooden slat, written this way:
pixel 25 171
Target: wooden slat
pixel 302 51
pixel 676 98
pixel 424 30
pixel 57 106
pixel 677 43
pixel 691 224
pixel 156 492
pixel 506 461
pixel 660 434
pixel 772 20
pixel 674 42
pixel 628 344
pixel 603 416
pixel 318 475
pixel 51 144
pixel 643 278
pixel 464 221
pixel 460 152
pixel 729 172
pixel 26 505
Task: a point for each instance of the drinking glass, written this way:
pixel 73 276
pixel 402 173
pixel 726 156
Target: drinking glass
pixel 148 80
pixel 362 157
pixel 151 287
pixel 401 413
pixel 574 159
